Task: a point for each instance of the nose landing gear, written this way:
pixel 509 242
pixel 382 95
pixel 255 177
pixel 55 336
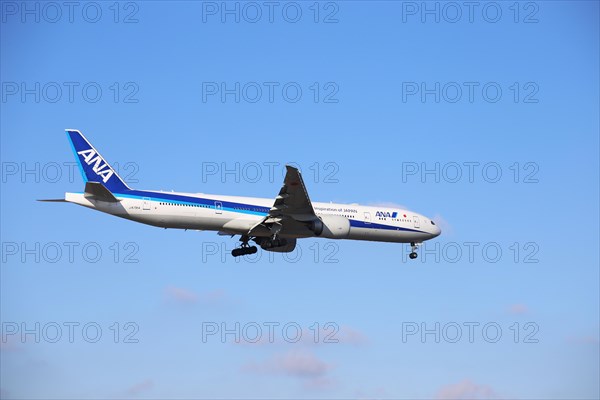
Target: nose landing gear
pixel 413 254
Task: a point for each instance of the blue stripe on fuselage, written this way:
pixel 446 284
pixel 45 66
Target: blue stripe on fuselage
pixel 179 199
pixel 238 207
pixel 372 225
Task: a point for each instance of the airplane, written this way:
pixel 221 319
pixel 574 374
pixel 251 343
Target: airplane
pixel 273 224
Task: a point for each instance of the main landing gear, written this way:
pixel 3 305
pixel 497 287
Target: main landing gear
pixel 413 254
pixel 245 249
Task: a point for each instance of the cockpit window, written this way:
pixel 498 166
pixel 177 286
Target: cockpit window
pixel 432 223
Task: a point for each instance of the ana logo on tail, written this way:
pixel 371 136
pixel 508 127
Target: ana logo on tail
pixel 103 170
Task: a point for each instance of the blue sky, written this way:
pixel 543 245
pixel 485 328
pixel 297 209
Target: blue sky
pixel 364 131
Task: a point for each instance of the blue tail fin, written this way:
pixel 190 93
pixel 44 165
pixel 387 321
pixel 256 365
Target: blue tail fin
pixel 93 167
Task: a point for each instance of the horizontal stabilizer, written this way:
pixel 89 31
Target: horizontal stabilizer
pixel 54 200
pixel 97 191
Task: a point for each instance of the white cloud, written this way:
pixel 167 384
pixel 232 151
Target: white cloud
pixel 180 295
pixel 311 371
pixel 297 363
pixel 185 296
pixel 584 339
pixel 11 343
pixel 518 309
pixel 466 389
pixel 140 387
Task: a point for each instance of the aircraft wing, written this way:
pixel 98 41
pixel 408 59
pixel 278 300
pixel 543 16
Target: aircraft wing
pixel 292 200
pixel 292 206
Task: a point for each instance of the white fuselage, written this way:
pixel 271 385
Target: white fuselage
pixel 236 215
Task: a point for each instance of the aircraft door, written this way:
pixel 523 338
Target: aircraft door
pixel 146 204
pixel 367 218
pixel 417 222
pixel 218 207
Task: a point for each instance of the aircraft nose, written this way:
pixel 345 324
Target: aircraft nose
pixel 435 230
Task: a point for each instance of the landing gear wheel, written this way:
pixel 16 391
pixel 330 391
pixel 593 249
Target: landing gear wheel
pixel 413 253
pixel 245 248
pixel 237 252
pixel 242 251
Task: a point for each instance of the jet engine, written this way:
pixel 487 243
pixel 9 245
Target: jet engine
pixel 331 226
pixel 279 245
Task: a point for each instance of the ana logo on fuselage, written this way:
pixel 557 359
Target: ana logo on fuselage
pixel 386 214
pixel 100 167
